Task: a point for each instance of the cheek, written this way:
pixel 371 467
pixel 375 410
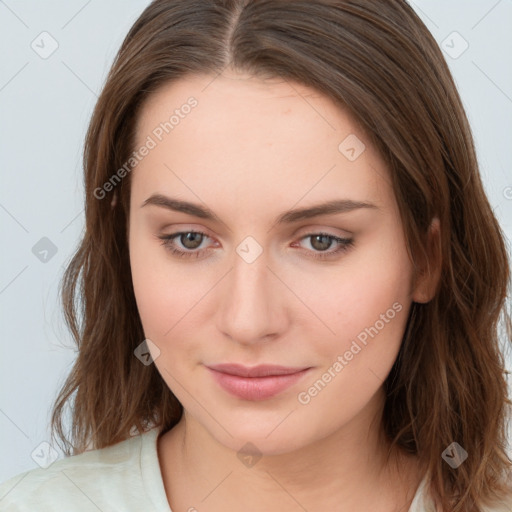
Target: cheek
pixel 168 298
pixel 367 302
pixel 163 300
pixel 369 316
pixel 156 292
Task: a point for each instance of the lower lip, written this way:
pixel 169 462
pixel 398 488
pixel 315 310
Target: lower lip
pixel 256 388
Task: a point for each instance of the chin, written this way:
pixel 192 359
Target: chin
pixel 259 441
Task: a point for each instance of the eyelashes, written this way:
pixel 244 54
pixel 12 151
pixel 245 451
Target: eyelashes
pixel 169 242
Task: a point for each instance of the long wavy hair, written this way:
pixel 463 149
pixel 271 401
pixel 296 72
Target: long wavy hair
pixel 379 61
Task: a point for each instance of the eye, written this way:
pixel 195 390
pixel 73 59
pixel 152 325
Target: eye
pixel 323 241
pixel 192 240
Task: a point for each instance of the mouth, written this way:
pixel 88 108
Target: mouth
pixel 258 382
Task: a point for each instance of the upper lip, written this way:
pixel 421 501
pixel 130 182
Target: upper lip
pixel 264 370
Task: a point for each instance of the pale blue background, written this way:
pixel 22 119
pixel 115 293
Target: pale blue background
pixel 45 105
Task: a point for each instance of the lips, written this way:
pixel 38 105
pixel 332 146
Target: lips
pixel 257 382
pixel 264 370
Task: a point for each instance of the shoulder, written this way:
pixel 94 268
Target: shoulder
pixel 89 481
pixel 424 502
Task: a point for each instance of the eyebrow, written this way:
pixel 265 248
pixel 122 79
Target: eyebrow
pixel 326 208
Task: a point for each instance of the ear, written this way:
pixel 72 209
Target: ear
pixel 114 199
pixel 428 269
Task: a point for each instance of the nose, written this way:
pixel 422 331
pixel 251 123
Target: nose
pixel 251 308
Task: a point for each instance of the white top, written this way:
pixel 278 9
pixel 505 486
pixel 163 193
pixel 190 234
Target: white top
pixel 124 477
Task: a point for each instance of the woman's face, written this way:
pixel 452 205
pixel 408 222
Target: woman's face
pixel 323 292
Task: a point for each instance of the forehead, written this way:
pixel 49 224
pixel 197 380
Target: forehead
pixel 246 135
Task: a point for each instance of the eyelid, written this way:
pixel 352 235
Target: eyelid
pixel 172 229
pixel 322 228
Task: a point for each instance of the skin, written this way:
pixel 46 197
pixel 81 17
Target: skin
pixel 249 151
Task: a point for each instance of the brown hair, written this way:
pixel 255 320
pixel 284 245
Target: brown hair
pixel 378 61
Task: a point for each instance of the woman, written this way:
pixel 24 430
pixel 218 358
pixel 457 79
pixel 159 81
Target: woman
pixel 288 291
